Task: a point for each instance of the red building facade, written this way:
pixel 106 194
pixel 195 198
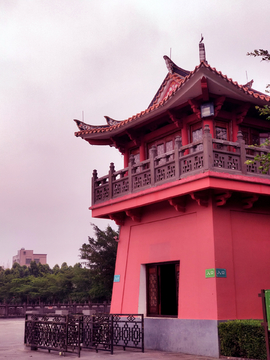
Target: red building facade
pixel 194 243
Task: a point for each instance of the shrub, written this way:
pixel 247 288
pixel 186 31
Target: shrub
pixel 242 338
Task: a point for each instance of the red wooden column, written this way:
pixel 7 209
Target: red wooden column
pixel 142 152
pixel 126 159
pixel 184 134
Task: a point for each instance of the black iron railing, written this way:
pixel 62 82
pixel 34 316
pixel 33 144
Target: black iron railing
pixel 197 157
pixel 61 333
pixel 72 333
pixel 106 331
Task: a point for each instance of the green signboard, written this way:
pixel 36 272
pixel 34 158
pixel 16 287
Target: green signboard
pixel 210 273
pixel 267 305
pixel 219 273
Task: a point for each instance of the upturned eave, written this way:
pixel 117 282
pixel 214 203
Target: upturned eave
pixel 188 89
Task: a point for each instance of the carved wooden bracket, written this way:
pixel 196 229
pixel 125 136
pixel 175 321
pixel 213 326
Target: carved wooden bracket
pixel 249 200
pixel 118 146
pixel 205 90
pixel 175 120
pixel 118 218
pixel 135 138
pixel 241 113
pixel 179 203
pixel 202 198
pixel 218 104
pixel 195 108
pixel 222 198
pixel 134 214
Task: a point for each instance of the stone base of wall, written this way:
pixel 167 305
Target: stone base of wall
pixel 197 337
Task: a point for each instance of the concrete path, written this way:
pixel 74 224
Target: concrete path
pixel 12 347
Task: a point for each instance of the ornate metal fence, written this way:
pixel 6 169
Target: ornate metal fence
pixel 128 331
pixel 61 333
pixel 71 333
pixel 105 331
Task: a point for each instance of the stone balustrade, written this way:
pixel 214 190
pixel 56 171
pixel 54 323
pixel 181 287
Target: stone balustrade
pixel 197 157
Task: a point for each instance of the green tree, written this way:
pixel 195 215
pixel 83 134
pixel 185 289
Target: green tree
pixel 100 253
pixel 33 269
pixel 262 158
pixel 56 269
pixel 81 283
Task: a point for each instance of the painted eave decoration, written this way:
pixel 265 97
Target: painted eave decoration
pixel 178 88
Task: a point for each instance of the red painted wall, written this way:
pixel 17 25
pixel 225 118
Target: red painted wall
pixel 242 246
pixel 167 235
pixel 201 238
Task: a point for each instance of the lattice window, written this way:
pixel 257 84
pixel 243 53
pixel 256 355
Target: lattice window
pixel 141 180
pixel 120 187
pixel 153 300
pixel 165 172
pixel 226 161
pixel 102 193
pixel 192 163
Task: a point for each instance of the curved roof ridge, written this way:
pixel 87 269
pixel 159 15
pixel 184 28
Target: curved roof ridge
pixel 114 124
pixel 173 68
pixel 169 78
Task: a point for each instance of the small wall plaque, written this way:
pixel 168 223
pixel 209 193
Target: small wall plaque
pixel 221 273
pixel 116 278
pixel 210 273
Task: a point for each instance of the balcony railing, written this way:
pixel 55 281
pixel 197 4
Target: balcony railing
pixel 197 157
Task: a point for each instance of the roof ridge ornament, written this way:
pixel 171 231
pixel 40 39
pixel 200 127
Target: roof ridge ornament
pixel 169 63
pixel 202 52
pixel 249 84
pixel 174 69
pixel 112 122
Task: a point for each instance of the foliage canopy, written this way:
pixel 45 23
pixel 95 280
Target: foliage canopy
pixel 100 253
pixel 40 283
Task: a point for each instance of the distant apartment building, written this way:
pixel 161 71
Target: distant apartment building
pixel 24 257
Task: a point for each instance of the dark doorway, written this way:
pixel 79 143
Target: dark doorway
pixel 162 289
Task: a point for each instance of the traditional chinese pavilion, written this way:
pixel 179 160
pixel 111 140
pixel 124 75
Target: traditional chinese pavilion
pixel 194 244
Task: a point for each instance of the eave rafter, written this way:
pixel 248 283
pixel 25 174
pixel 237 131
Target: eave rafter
pixel 179 203
pixel 195 106
pixel 248 200
pixel 134 214
pixel 176 120
pixel 118 218
pixel 202 198
pixel 118 145
pixel 134 137
pixel 221 198
pixel 241 113
pixel 218 104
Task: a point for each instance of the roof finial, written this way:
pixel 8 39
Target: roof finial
pixel 202 50
pixel 201 38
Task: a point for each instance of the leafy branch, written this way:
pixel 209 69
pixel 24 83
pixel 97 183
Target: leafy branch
pixel 263 158
pixel 264 54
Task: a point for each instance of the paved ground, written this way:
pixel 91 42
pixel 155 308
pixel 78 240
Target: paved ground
pixel 12 347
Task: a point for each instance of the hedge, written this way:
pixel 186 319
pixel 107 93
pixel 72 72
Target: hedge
pixel 243 339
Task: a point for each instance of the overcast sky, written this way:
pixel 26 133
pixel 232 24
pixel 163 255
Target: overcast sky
pixel 59 58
